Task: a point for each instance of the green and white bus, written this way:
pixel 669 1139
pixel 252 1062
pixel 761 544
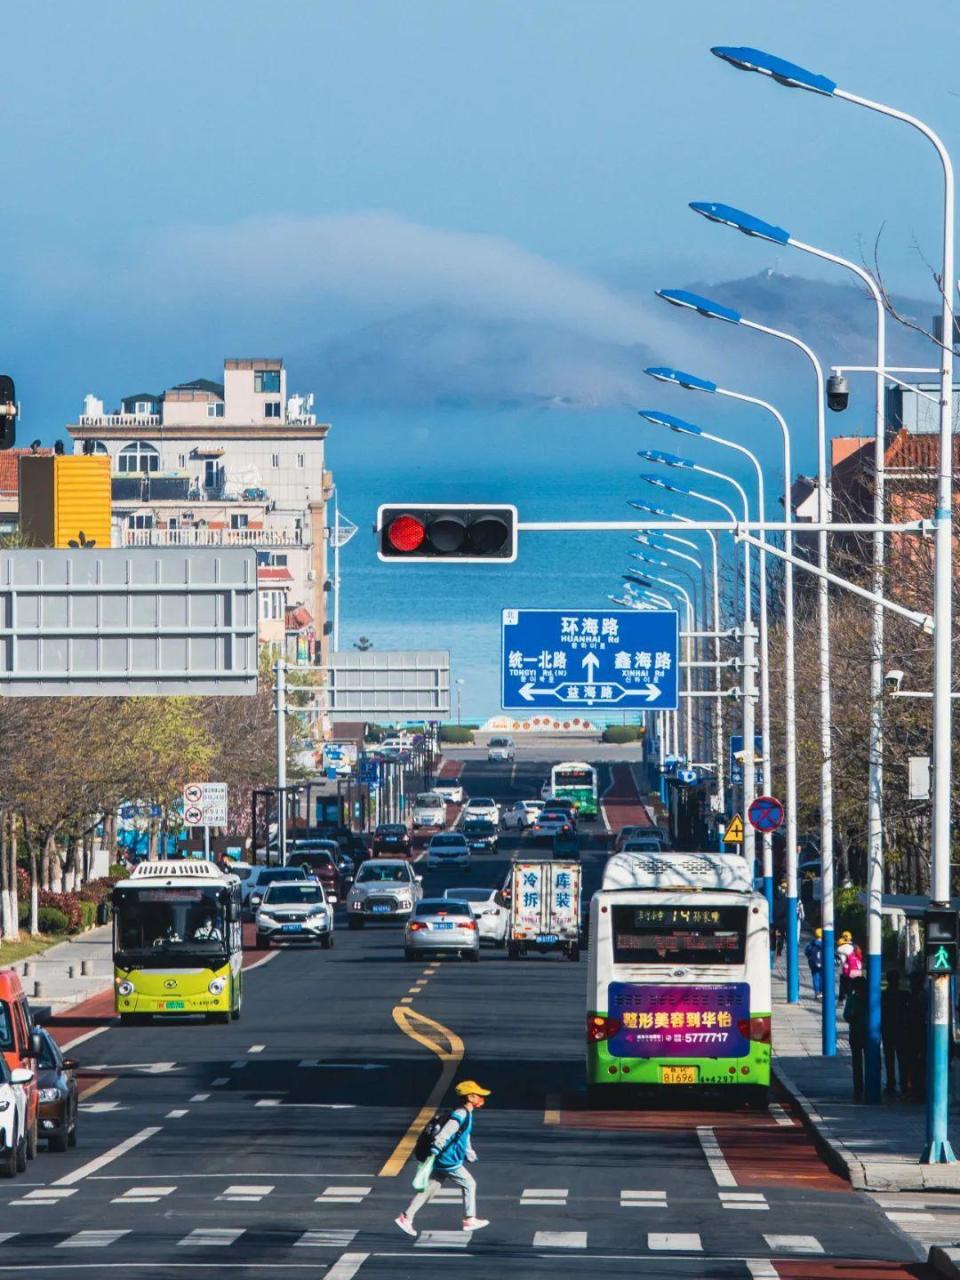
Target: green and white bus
pixel 678 991
pixel 576 781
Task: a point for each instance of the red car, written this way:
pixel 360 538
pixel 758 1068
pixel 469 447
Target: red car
pixel 324 864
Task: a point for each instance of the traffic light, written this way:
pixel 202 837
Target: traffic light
pixel 458 531
pixel 941 941
pixel 8 412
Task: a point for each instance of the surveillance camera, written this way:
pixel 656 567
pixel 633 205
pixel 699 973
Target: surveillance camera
pixel 838 392
pixel 894 679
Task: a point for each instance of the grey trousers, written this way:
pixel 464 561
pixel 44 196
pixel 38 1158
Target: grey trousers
pixel 461 1177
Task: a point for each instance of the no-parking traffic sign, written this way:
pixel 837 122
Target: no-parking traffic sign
pixel 765 814
pixel 205 804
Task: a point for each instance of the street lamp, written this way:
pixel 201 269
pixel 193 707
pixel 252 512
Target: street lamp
pixel 690 645
pixel 753 226
pixel 691 382
pixel 717 311
pixel 938 1149
pixel 459 698
pixel 683 427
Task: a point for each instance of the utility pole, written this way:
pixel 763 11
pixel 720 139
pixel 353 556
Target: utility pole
pixel 280 707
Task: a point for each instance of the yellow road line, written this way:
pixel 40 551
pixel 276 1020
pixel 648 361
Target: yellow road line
pixel 97 1085
pixel 407 1000
pixel 449 1048
pixel 551 1113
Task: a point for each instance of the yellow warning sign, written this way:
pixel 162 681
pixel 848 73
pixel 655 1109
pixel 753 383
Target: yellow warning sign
pixel 734 831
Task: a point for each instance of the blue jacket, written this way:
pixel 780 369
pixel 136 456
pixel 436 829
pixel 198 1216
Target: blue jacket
pixel 814 953
pixel 453 1140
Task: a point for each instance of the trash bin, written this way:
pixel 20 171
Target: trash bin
pixel 103 911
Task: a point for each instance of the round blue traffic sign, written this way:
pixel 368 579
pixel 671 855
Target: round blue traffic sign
pixel 765 814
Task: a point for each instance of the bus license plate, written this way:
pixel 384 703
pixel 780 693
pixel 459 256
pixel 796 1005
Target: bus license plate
pixel 174 1004
pixel 679 1075
pixel 547 937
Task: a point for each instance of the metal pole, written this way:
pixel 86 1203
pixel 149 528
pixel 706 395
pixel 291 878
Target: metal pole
pixel 336 571
pixel 280 707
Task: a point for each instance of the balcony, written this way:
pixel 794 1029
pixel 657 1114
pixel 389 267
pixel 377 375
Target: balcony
pixel 119 420
pixel 204 537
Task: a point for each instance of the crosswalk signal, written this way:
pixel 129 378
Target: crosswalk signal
pixel 457 531
pixel 941 941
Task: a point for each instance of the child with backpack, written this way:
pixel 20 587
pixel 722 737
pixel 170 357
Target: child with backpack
pixel 442 1150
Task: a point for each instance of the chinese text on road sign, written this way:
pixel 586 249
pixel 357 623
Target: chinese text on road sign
pixel 624 659
pixel 205 804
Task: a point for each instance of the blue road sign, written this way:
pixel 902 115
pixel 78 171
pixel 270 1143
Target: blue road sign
pixel 765 814
pixel 736 768
pixel 554 660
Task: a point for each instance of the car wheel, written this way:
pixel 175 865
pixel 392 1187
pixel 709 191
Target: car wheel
pixel 57 1142
pixel 354 922
pixel 8 1160
pixel 129 1019
pixel 32 1141
pixel 474 956
pixel 326 941
pixel 513 951
pixel 21 1151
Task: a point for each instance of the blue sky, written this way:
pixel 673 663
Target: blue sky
pixel 189 180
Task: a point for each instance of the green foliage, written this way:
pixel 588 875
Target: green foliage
pixel 88 913
pixel 456 733
pixel 622 733
pixel 850 913
pixel 23 911
pixel 53 920
pixel 117 871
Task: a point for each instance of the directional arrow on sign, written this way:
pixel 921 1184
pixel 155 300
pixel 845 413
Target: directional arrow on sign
pixel 590 663
pixel 529 691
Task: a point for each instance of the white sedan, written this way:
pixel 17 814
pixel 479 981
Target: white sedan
pixel 481 807
pixel 521 815
pixel 450 789
pixel 13 1119
pixel 489 910
pixel 448 849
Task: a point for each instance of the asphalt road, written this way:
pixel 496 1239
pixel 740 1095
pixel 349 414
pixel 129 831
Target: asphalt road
pixel 275 1144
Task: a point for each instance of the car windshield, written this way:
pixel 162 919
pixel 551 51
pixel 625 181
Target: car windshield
pixel 371 871
pixel 447 842
pixel 288 893
pixel 449 906
pixel 319 858
pixel 391 829
pixel 281 873
pixel 429 799
pixel 313 846
pixel 499 742
pixel 470 895
pixel 240 872
pixel 481 802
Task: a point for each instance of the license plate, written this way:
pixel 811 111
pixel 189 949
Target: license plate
pixel 292 928
pixel 679 1075
pixel 381 910
pixel 547 937
pixel 174 1004
pixel 443 924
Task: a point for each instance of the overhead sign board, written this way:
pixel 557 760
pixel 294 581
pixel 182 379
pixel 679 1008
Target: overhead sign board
pixel 624 659
pixel 128 622
pixel 388 684
pixel 205 804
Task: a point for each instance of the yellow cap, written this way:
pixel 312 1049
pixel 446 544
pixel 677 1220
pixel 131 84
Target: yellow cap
pixel 466 1087
pixel 818 933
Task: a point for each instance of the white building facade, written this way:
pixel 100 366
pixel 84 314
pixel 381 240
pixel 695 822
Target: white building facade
pixel 237 463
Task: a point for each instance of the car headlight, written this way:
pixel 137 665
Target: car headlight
pixel 404 903
pixel 50 1095
pixel 318 913
pixel 216 986
pixel 125 988
pixel 265 915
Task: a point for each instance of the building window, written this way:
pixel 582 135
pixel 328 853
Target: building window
pixel 301 461
pixel 138 456
pixel 212 474
pixel 140 522
pixel 271 409
pixel 95 447
pixel 276 460
pixel 181 460
pixel 266 380
pixel 215 410
pixel 143 406
pixel 277 559
pixel 239 520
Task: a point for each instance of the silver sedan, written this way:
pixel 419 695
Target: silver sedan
pixel 442 924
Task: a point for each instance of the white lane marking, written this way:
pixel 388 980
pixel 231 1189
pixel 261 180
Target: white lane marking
pixel 906 1216
pixel 256 1048
pixel 441 1240
pixel 91 1239
pixel 225 1175
pixel 560 1240
pixel 177 1114
pixel 212 1236
pixel 200 1097
pixel 722 1173
pixel 87 1035
pixel 346 1267
pixel 271 955
pixel 544 1195
pixel 49 1193
pixel 241 1062
pixel 781 1115
pixel 343 1195
pixel 761 1269
pixel 100 1108
pixel 794 1244
pixel 107 1157
pixel 342 1066
pixel 250 1194
pixel 143 1195
pixel 643 1199
pixel 220 1080
pixel 688 1242
pixel 7 1235
pixel 148 1068
pixel 309 1106
pixel 326 1239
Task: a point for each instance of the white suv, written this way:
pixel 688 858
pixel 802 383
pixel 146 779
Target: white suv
pixel 429 810
pixel 521 815
pixel 481 807
pixel 13 1119
pixel 500 749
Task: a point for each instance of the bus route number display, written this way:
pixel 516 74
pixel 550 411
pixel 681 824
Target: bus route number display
pixel 660 1021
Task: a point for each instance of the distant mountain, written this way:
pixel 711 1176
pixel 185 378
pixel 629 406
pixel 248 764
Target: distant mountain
pixel 445 356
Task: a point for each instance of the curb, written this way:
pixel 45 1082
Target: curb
pixel 872 1174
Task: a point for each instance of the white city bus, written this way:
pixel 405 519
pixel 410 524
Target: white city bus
pixel 678 991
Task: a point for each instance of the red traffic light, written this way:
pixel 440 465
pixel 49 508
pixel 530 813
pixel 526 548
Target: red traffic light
pixel 457 531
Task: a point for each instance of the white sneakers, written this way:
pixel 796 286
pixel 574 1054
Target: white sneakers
pixel 474 1224
pixel 469 1224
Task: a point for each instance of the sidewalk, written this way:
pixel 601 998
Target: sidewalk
pixel 876 1147
pixel 46 977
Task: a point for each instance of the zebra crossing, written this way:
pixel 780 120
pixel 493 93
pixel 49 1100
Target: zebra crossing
pixel 926 1216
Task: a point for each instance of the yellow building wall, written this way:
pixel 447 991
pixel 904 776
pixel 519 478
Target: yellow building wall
pixel 62 496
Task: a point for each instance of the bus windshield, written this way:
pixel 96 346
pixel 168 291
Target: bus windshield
pixel 694 936
pixel 162 923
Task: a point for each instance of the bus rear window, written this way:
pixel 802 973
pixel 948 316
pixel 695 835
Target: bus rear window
pixel 573 778
pixel 679 935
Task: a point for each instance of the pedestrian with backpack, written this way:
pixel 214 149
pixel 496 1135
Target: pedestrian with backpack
pixel 442 1149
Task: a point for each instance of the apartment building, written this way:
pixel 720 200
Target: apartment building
pixel 232 463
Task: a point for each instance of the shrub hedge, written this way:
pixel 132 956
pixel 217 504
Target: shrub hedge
pixel 622 733
pixel 461 733
pixel 52 920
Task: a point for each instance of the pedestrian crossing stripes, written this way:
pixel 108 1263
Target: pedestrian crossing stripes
pixel 343 1195
pixel 560 1240
pixel 643 1200
pixel 143 1195
pixel 544 1195
pixel 245 1194
pixel 326 1239
pixel 91 1239
pixel 212 1237
pixel 743 1200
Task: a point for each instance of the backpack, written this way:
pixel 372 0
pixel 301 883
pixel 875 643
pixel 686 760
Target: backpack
pixel 428 1135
